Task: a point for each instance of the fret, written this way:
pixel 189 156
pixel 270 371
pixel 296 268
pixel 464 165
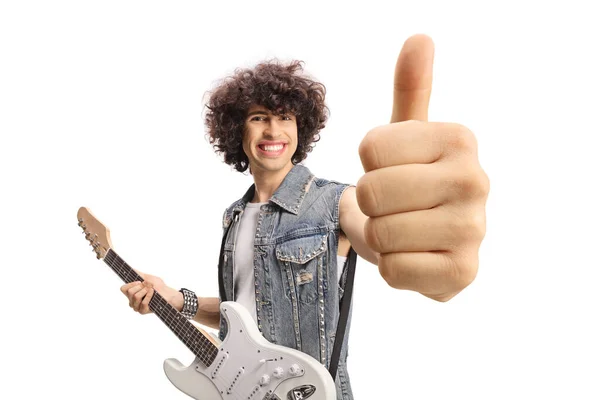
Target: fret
pixel 195 340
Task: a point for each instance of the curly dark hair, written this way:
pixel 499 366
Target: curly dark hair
pixel 281 88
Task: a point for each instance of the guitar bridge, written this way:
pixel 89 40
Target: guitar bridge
pixel 301 392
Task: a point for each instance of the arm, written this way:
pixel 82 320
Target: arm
pixel 208 311
pixel 352 223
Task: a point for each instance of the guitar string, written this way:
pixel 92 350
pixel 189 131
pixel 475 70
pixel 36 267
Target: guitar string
pixel 206 350
pixel 172 318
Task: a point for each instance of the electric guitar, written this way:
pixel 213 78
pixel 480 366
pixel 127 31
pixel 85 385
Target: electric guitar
pixel 245 366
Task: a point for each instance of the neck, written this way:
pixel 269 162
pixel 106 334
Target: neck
pixel 267 182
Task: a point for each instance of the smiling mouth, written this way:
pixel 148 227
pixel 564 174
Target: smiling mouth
pixel 272 149
pixel 275 147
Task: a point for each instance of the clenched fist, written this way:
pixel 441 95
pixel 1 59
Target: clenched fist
pixel 424 190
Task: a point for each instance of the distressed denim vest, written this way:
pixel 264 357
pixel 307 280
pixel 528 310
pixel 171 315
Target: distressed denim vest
pixel 295 267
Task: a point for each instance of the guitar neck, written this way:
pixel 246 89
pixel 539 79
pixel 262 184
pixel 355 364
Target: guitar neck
pixel 193 338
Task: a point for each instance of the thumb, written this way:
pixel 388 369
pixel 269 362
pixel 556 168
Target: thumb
pixel 412 79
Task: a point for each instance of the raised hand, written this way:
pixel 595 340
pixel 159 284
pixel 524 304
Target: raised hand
pixel 424 190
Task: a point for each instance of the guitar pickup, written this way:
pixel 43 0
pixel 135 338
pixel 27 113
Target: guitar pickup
pixel 218 366
pixel 235 380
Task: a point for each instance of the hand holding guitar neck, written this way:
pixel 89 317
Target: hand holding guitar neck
pixel 140 293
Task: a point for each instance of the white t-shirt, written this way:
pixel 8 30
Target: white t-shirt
pixel 243 274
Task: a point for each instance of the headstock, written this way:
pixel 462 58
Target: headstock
pixel 95 232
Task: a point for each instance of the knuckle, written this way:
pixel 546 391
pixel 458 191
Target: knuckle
pixel 470 182
pixel 367 150
pixel 473 227
pixel 366 195
pixel 458 275
pixel 386 271
pixel 465 274
pixel 461 138
pixel 478 185
pixel 478 225
pixel 483 183
pixel 468 227
pixel 372 234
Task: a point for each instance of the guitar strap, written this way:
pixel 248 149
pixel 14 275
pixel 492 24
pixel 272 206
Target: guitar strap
pixel 344 311
pixel 221 262
pixel 344 302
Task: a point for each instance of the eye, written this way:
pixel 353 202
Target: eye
pixel 257 118
pixel 286 117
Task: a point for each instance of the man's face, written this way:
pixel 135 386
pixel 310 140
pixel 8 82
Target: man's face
pixel 269 140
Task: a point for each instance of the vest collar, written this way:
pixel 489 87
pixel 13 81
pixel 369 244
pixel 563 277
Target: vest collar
pixel 290 193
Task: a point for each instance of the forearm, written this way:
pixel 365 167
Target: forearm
pixel 208 312
pixel 208 309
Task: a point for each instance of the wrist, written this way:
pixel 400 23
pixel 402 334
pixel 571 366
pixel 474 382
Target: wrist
pixel 190 303
pixel 177 301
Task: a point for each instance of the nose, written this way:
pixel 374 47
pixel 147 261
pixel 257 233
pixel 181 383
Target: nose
pixel 273 128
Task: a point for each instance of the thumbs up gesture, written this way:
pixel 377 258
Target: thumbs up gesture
pixel 424 190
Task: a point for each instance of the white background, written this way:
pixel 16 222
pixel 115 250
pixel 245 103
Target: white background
pixel 101 106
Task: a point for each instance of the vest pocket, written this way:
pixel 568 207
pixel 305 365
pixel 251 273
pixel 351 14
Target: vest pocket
pixel 300 257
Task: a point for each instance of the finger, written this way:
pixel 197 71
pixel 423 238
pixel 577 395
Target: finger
pixel 145 306
pixel 131 293
pixel 128 286
pixel 411 142
pixel 412 79
pixel 405 188
pixel 437 229
pixel 138 297
pixel 430 273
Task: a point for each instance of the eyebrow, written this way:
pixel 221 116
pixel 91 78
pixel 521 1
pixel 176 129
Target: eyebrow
pixel 257 112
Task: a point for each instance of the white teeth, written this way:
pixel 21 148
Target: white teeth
pixel 273 148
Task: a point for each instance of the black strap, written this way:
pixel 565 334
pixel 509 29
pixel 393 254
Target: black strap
pixel 221 262
pixel 344 311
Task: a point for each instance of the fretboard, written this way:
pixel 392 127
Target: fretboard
pixel 195 340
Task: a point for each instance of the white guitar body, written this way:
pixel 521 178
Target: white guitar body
pixel 250 367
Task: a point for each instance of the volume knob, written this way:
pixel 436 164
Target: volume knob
pixel 294 370
pixel 264 380
pixel 278 373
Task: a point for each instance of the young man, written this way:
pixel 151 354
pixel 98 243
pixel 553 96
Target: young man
pixel 418 213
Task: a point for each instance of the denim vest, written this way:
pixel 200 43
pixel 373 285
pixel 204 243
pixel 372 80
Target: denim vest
pixel 295 267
